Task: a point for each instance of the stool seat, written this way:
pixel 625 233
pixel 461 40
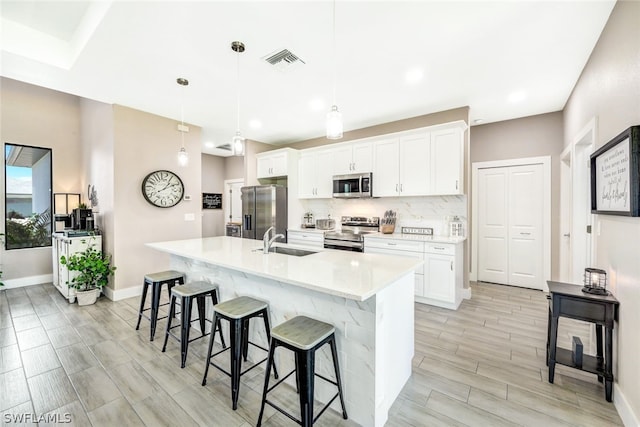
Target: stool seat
pixel 302 332
pixel 163 276
pixel 193 288
pixel 240 307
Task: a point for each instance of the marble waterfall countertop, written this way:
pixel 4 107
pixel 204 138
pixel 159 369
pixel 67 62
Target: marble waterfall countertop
pixel 352 275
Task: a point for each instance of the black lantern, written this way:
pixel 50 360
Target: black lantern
pixel 595 281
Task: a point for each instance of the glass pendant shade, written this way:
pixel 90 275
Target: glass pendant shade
pixel 183 157
pixel 237 145
pixel 334 123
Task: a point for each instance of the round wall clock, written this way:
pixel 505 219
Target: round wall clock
pixel 162 188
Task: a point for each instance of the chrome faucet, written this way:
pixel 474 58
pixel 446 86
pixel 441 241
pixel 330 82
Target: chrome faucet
pixel 266 242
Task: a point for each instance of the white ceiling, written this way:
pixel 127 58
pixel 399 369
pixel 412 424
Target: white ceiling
pixel 503 59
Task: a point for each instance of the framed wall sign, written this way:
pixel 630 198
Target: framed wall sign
pixel 211 201
pixel 615 175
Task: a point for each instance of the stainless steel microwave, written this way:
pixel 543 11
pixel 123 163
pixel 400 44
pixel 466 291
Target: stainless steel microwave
pixel 356 185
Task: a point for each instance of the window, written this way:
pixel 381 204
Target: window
pixel 27 178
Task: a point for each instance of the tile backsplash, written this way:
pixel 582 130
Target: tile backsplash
pixel 432 211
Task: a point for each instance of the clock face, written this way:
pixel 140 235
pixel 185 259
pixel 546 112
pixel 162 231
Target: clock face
pixel 163 189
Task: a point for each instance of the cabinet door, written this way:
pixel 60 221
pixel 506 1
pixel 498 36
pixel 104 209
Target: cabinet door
pixel 324 174
pixel 446 168
pixel 362 157
pixel 415 159
pixel 264 167
pixel 386 166
pixel 279 165
pixel 307 176
pixel 342 161
pixel 440 277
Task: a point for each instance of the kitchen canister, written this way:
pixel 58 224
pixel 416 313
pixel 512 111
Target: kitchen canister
pixel 456 228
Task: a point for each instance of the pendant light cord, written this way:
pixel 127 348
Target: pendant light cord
pixel 182 117
pixel 335 62
pixel 238 91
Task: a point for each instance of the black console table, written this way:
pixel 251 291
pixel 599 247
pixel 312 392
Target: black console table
pixel 569 301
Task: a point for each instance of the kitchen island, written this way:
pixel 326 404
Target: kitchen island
pixel 367 297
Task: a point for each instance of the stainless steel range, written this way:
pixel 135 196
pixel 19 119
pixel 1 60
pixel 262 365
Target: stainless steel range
pixel 351 237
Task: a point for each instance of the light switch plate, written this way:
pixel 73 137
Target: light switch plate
pixel 189 217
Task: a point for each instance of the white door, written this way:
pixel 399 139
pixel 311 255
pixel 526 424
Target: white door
pixel 440 283
pixel 565 216
pixel 525 193
pixel 324 174
pixel 492 225
pixel 233 208
pixel 342 161
pixel 363 157
pixel 510 220
pixel 307 173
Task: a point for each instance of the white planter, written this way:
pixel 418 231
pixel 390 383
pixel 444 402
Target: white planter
pixel 87 297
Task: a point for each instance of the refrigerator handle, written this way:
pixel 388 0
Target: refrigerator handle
pixel 247 222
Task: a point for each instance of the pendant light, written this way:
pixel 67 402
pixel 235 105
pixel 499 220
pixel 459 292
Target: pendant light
pixel 183 156
pixel 334 117
pixel 238 141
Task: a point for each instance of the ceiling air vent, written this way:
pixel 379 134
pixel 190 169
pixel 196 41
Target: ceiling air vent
pixel 224 146
pixel 284 60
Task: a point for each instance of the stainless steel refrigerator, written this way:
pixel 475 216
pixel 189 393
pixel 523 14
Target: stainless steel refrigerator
pixel 264 206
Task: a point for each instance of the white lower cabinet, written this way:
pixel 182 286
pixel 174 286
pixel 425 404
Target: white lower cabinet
pixel 67 246
pixel 305 238
pixel 399 248
pixel 439 281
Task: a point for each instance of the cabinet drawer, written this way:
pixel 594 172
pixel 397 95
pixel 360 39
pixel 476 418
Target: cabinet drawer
pixel 309 237
pixel 394 244
pixel 440 248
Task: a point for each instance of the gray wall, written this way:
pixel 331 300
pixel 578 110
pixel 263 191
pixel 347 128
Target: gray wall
pixel 609 90
pixel 31 115
pixel 213 176
pixel 527 137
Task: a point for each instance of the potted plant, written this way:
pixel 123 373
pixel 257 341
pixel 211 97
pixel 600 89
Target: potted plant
pixel 93 270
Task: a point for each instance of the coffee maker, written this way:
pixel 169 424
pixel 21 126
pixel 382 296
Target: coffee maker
pixel 81 218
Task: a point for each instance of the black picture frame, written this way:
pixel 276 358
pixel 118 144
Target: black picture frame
pixel 211 201
pixel 615 175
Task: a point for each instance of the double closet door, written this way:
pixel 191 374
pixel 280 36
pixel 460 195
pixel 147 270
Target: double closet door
pixel 510 225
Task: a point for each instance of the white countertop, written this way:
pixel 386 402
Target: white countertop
pixel 417 237
pixel 308 230
pixel 351 275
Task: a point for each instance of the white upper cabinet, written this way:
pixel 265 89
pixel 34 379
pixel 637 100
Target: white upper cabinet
pixel 315 174
pixel 353 158
pixel 425 162
pixel 415 162
pixel 386 168
pixel 447 164
pixel 273 163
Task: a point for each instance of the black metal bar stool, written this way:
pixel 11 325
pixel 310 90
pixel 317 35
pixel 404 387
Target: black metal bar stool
pixel 186 293
pixel 303 336
pixel 156 280
pixel 238 312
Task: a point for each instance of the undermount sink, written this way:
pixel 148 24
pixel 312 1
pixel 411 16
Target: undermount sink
pixel 290 251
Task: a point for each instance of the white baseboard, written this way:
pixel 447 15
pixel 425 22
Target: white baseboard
pixel 466 293
pixel 27 281
pixel 120 294
pixel 629 419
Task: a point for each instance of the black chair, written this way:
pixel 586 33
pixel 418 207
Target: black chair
pixel 156 280
pixel 238 312
pixel 186 293
pixel 303 336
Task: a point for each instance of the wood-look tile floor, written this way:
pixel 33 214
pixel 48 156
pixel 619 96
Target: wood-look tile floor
pixel 482 365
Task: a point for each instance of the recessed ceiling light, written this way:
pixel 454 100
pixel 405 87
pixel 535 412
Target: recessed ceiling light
pixel 517 96
pixel 255 124
pixel 414 75
pixel 209 144
pixel 317 104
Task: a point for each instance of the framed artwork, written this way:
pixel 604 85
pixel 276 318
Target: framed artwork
pixel 211 201
pixel 615 175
